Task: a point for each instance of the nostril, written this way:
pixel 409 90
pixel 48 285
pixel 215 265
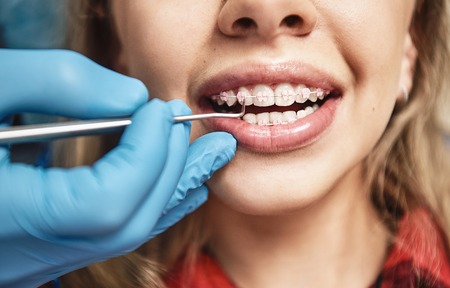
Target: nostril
pixel 244 23
pixel 267 19
pixel 292 21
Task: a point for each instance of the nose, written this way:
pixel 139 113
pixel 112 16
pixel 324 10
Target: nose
pixel 267 18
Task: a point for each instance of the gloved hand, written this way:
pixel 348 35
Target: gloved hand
pixel 56 220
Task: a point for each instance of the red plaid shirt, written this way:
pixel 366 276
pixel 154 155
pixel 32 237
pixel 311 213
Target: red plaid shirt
pixel 417 259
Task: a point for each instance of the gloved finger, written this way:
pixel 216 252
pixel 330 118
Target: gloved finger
pixel 62 82
pixel 143 221
pixel 97 200
pixel 194 199
pixel 206 155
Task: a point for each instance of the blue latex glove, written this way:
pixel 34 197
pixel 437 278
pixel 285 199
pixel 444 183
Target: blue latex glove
pixel 54 221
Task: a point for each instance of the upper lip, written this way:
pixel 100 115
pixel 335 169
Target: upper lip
pixel 248 74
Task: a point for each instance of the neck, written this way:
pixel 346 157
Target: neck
pixel 337 241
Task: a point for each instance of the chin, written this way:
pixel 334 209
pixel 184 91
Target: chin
pixel 285 183
pixel 261 195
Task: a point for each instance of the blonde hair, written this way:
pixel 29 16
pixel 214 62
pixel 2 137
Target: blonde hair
pixel 408 168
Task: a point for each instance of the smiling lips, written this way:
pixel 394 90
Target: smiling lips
pixel 271 125
pixel 288 104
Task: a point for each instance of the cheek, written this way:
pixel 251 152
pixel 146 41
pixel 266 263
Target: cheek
pixel 160 44
pixel 369 35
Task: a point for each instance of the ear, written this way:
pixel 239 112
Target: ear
pixel 407 69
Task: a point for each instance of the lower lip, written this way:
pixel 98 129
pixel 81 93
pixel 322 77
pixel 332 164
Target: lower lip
pixel 278 138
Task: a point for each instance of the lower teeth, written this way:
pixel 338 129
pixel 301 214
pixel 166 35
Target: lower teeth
pixel 278 118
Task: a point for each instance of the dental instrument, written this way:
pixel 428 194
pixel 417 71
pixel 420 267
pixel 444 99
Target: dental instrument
pixel 53 131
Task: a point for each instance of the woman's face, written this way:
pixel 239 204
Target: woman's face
pixel 289 54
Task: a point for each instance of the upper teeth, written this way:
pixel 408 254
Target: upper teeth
pixel 262 95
